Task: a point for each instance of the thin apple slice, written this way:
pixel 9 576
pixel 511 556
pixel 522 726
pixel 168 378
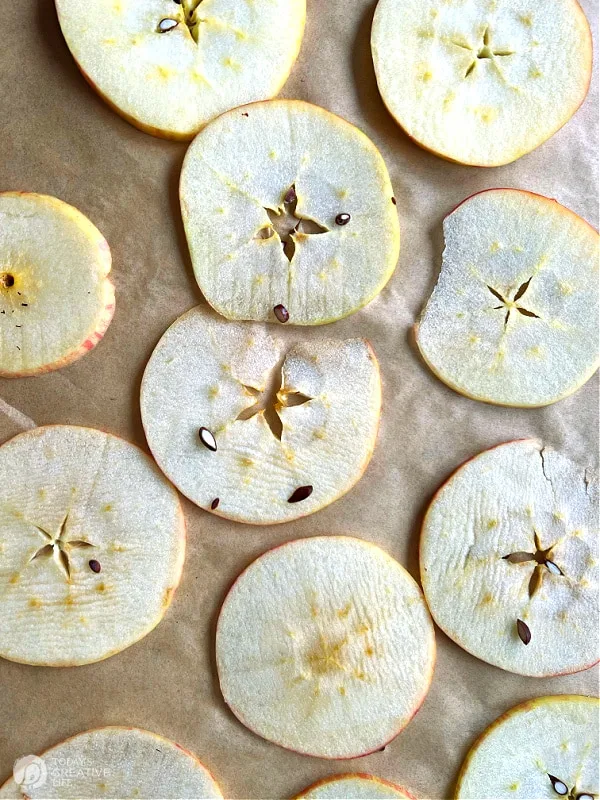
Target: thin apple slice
pixel 289 214
pixel 354 786
pixel 56 300
pixel 92 539
pixel 513 319
pixel 170 66
pixel 325 646
pixel 112 762
pixel 472 84
pixel 509 560
pixel 547 747
pixel 256 428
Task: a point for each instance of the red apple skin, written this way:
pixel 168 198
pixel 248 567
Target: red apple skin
pixel 460 644
pixel 169 594
pixel 123 728
pixel 590 49
pixel 96 336
pixel 350 775
pixel 318 755
pixel 416 324
pixel 527 705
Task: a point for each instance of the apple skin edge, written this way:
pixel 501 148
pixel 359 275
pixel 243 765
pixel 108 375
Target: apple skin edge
pixel 168 598
pixel 429 506
pixel 528 704
pixel 444 157
pixel 349 776
pixel 380 746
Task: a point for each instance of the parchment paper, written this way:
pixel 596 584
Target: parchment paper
pixel 58 137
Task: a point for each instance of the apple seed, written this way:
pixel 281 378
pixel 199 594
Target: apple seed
pixel 558 786
pixel 553 568
pixel 281 313
pixel 167 25
pixel 342 219
pixel 301 493
pixel 523 631
pixel 94 565
pixel 207 439
pixel 214 504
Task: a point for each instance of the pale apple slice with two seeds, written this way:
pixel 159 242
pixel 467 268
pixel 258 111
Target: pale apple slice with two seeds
pixel 56 300
pixel 112 762
pixel 547 747
pixel 325 646
pixel 509 560
pixel 258 428
pixel 170 66
pixel 354 786
pixel 481 82
pixel 513 319
pixel 289 214
pixel 92 542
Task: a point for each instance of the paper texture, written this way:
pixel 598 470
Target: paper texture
pixel 58 137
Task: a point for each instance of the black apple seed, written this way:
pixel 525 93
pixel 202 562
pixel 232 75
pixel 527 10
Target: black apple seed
pixel 207 439
pixel 342 219
pixel 94 565
pixel 281 313
pixel 301 493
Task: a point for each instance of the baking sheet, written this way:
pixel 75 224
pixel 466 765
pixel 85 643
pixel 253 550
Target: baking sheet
pixel 57 137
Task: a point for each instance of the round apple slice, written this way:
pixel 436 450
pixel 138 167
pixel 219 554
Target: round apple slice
pixel 325 646
pixel 170 66
pixel 509 560
pixel 289 214
pixel 354 786
pixel 547 747
pixel 473 85
pixel 255 428
pixel 92 542
pixel 112 762
pixel 513 319
pixel 56 300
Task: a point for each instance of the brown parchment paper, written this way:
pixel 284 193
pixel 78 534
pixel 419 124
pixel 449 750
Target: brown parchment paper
pixel 58 137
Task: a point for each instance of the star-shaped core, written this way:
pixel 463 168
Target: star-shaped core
pixel 543 559
pixel 58 546
pixel 510 304
pixel 484 50
pixel 288 225
pixel 270 402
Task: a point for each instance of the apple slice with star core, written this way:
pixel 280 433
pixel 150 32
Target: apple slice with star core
pixel 513 319
pixel 509 560
pixel 325 646
pixel 112 762
pixel 170 66
pixel 92 542
pixel 56 300
pixel 483 82
pixel 289 214
pixel 259 428
pixel 546 747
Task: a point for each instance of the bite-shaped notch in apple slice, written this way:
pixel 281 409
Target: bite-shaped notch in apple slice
pixel 325 646
pixel 256 428
pixel 112 762
pixel 547 747
pixel 289 214
pixel 56 300
pixel 354 786
pixel 509 560
pixel 472 84
pixel 92 541
pixel 513 319
pixel 170 66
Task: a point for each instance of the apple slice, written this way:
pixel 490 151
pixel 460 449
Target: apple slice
pixel 170 66
pixel 92 539
pixel 509 560
pixel 56 300
pixel 111 762
pixel 289 214
pixel 325 646
pixel 354 786
pixel 255 428
pixel 547 747
pixel 513 319
pixel 473 84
